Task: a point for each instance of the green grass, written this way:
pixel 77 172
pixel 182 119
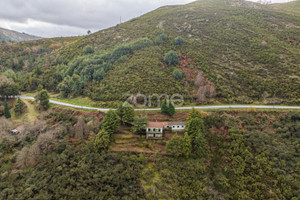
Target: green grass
pixel 30 114
pixel 82 101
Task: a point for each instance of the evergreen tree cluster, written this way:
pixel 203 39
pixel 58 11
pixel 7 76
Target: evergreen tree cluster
pixel 193 142
pixel 126 112
pixel 19 106
pixel 167 107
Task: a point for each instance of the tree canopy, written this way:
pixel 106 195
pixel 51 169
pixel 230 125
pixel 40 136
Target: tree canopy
pixel 8 87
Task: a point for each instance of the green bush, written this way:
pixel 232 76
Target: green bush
pixel 161 38
pixel 171 58
pixel 177 74
pixel 179 41
pixel 88 50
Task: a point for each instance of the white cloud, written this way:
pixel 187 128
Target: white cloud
pixel 50 18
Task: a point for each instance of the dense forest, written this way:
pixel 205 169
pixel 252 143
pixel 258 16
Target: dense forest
pixel 223 155
pixel 209 51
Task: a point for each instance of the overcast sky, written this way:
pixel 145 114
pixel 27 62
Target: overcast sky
pixel 54 18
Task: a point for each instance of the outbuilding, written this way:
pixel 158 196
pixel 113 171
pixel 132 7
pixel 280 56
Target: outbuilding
pixel 18 130
pixel 178 126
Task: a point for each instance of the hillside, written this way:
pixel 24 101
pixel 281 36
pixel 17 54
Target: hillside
pixel 231 51
pixel 14 36
pixel 241 155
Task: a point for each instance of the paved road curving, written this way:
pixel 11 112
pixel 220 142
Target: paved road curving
pixel 177 108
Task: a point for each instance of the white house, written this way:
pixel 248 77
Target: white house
pixel 155 130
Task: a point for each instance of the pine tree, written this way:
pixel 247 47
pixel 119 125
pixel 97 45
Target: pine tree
pixel 44 99
pixel 128 113
pixel 139 124
pixel 180 146
pixel 110 122
pixel 174 144
pixel 198 145
pixel 6 110
pixel 102 140
pixel 194 114
pixel 171 109
pixel 19 106
pixel 186 146
pixel 194 125
pixel 167 107
pixel 120 111
pixel 196 130
pixel 164 106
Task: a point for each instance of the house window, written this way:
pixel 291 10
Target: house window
pixel 173 126
pixel 149 129
pixel 182 126
pixel 177 126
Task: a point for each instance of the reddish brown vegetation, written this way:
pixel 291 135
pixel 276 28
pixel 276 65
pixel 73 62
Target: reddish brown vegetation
pixel 76 113
pixel 291 40
pixel 204 87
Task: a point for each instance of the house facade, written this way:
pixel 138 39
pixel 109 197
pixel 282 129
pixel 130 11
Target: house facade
pixel 178 126
pixel 155 130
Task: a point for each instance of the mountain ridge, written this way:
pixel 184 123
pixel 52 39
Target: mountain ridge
pixel 14 36
pixel 233 51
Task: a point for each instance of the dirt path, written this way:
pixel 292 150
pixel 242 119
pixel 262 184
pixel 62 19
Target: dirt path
pixel 32 114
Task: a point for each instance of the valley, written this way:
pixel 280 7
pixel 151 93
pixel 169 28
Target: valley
pixel 192 101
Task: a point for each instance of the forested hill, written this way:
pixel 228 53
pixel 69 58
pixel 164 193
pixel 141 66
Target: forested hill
pixel 14 36
pixel 209 51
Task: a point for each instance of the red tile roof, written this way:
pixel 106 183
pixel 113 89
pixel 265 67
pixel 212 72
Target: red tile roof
pixel 158 124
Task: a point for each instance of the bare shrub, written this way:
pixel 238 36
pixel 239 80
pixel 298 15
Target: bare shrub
pixel 45 142
pixel 93 126
pixel 33 130
pixel 81 130
pixel 206 88
pixel 23 158
pixel 5 127
pixel 29 155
